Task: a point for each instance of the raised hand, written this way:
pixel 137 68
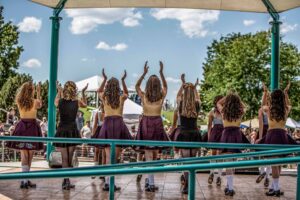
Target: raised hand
pixel 146 68
pixel 197 82
pixel 183 78
pixel 161 65
pixel 85 88
pixel 124 76
pixel 265 88
pixel 103 74
pixel 38 87
pixel 286 90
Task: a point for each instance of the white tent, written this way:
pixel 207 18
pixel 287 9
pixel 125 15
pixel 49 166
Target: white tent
pixel 94 83
pixel 292 123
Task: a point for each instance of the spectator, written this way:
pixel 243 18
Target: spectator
pixel 79 120
pixel 1 128
pixel 297 135
pixel 133 131
pixel 11 116
pixel 44 127
pixel 86 133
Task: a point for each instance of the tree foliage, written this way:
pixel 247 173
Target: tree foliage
pixel 241 63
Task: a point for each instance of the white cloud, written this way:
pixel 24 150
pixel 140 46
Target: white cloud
pixel 118 47
pixel 86 20
pixel 285 27
pixel 30 24
pixel 173 80
pixel 192 22
pixel 135 75
pixel 32 63
pixel 248 22
pixel 84 59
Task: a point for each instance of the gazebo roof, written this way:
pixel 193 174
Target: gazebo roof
pixel 230 5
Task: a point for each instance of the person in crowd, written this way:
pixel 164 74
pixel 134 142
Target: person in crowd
pixel 11 116
pixel 215 128
pixel 99 155
pixel 232 110
pixel 1 128
pixel 264 171
pixel 189 107
pixel 151 125
pixel 87 134
pixel 68 104
pixel 27 126
pixel 79 120
pixel 297 135
pixel 277 106
pixel 113 125
pixel 44 128
pixel 133 131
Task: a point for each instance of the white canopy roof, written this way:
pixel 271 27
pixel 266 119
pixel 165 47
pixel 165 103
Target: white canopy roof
pixel 131 108
pixel 94 83
pixel 232 5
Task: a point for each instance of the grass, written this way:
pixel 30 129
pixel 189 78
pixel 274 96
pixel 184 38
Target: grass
pixel 87 112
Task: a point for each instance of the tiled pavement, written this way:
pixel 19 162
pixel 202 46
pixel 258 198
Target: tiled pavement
pixel 169 188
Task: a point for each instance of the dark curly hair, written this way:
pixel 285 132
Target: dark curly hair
pixel 188 107
pixel 153 89
pixel 112 93
pixel 233 108
pixel 25 96
pixel 216 99
pixel 278 106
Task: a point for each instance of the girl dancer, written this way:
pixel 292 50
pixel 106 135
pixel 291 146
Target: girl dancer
pixel 263 128
pixel 189 107
pixel 215 129
pixel 113 126
pixel 27 126
pixel 277 106
pixel 232 110
pixel 151 125
pixel 99 150
pixel 68 104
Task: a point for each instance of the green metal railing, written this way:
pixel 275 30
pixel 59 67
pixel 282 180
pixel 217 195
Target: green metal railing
pixel 192 165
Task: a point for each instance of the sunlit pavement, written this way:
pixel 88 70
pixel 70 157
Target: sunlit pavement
pixel 169 187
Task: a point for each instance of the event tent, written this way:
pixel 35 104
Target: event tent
pixel 94 83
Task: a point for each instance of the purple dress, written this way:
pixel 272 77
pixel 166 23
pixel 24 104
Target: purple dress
pixel 233 134
pixel 29 128
pixel 216 131
pixel 277 136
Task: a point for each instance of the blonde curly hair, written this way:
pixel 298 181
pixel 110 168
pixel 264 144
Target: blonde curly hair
pixel 70 91
pixel 25 96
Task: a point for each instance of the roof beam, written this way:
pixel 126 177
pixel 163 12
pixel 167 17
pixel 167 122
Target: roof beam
pixel 59 7
pixel 272 11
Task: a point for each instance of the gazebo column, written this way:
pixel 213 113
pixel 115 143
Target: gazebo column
pixel 275 49
pixel 53 73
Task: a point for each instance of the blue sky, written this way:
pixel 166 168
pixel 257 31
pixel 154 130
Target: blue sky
pixel 121 39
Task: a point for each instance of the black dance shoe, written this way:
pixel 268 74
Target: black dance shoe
pixel 260 177
pixel 106 188
pixel 102 178
pixel 273 193
pixel 146 182
pixel 151 188
pixel 210 179
pixel 182 179
pixel 30 184
pixel 230 192
pixel 219 181
pixel 24 185
pixel 267 182
pixel 139 178
pixel 185 190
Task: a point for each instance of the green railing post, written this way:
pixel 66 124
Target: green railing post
pixel 192 184
pixel 112 178
pixel 275 62
pixel 52 79
pixel 298 180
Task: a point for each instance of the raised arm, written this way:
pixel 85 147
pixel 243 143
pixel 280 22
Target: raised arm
pixel 83 102
pixel 179 93
pixel 220 104
pixel 139 82
pixel 209 125
pixel 101 88
pixel 38 101
pixel 162 76
pixel 286 95
pixel 58 94
pixel 264 101
pixel 260 122
pixel 125 90
pixel 196 92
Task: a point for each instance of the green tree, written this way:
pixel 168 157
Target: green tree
pixel 44 95
pixel 241 63
pixel 9 49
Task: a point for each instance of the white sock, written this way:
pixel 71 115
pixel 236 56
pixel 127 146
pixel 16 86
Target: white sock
pixel 230 181
pixel 151 179
pixel 261 170
pixel 219 172
pixel 268 171
pixel 212 171
pixel 25 168
pixel 276 184
pixel 107 180
pixel 271 187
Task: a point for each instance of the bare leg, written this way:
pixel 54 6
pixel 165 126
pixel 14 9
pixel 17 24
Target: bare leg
pixel 24 165
pixel 107 158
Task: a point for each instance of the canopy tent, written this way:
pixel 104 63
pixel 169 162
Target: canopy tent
pixel 252 123
pixel 94 83
pixel 232 5
pixel 292 123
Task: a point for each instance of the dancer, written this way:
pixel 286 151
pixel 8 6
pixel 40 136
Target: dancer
pixel 264 171
pixel 215 129
pixel 277 106
pixel 232 110
pixel 99 155
pixel 113 126
pixel 27 126
pixel 68 104
pixel 189 106
pixel 151 125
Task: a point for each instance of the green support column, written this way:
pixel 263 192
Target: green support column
pixel 52 79
pixel 112 178
pixel 192 184
pixel 275 62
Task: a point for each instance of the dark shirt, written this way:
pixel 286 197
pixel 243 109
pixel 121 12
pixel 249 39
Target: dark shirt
pixel 67 111
pixel 188 123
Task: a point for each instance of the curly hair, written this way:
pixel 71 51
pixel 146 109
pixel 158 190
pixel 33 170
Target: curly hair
pixel 25 96
pixel 112 93
pixel 70 91
pixel 233 108
pixel 216 99
pixel 278 106
pixel 188 106
pixel 153 89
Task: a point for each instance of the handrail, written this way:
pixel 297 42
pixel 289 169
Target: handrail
pixel 147 143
